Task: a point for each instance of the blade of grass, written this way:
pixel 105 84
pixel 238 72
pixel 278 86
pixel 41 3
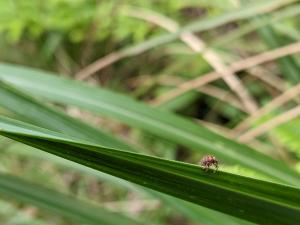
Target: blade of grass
pixel 28 109
pixel 285 13
pixel 288 65
pixel 194 212
pixel 289 31
pixel 158 122
pixel 181 102
pixel 254 200
pixel 200 214
pixel 61 204
pixel 39 114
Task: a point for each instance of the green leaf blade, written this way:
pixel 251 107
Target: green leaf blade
pixel 251 199
pixel 158 122
pixel 61 204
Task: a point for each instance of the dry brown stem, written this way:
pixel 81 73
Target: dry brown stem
pixel 98 65
pixel 198 46
pixel 235 67
pixel 270 124
pixel 275 103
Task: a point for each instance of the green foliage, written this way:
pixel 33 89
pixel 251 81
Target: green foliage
pixel 40 114
pixel 288 65
pixel 171 177
pixel 99 153
pixel 55 202
pixel 288 134
pixel 73 19
pixel 158 122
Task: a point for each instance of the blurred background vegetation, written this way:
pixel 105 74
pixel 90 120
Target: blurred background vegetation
pixel 67 36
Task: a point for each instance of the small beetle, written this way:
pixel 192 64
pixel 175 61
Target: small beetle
pixel 209 160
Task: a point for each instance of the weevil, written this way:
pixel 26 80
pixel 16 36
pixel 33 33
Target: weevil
pixel 209 160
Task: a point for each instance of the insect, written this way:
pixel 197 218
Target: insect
pixel 209 160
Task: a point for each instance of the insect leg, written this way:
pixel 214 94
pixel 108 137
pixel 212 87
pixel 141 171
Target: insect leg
pixel 216 166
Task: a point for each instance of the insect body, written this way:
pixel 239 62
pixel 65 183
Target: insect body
pixel 208 161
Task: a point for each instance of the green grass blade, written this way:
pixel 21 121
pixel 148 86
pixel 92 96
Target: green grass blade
pixel 158 122
pixel 285 13
pixel 39 114
pixel 201 214
pixel 288 65
pixel 288 31
pixel 61 204
pixel 194 212
pixel 254 200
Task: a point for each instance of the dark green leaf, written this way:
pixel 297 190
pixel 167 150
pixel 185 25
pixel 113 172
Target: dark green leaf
pixel 247 198
pixel 158 122
pixel 288 66
pixel 21 190
pixel 37 113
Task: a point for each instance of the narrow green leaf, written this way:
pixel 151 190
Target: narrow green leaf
pixel 37 113
pixel 200 214
pixel 272 18
pixel 254 200
pixel 288 65
pixel 158 122
pixel 61 204
pixel 288 134
pixel 290 32
pixel 196 213
pixel 181 102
